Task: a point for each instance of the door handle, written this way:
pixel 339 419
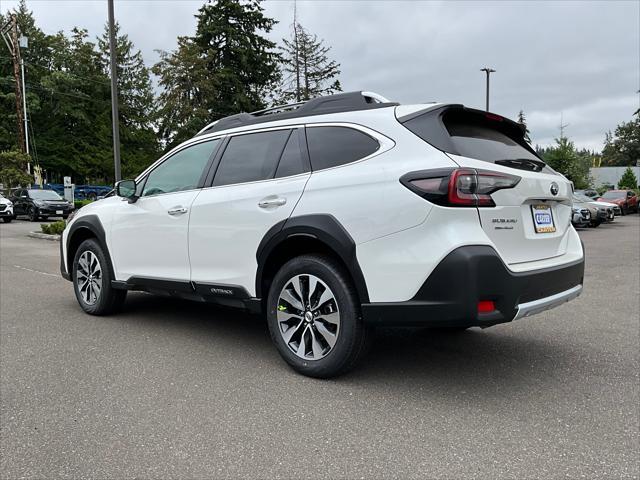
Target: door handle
pixel 177 211
pixel 272 202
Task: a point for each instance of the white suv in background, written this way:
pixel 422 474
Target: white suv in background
pixel 6 209
pixel 334 215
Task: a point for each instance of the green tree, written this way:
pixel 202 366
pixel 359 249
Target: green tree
pixel 136 103
pixel 306 70
pixel 623 147
pixel 523 121
pixel 628 180
pixel 226 68
pixel 13 173
pixel 563 158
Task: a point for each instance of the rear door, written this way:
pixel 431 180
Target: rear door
pixel 258 181
pixel 530 221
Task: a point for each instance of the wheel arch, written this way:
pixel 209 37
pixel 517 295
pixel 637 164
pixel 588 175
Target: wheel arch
pixel 307 234
pixel 87 227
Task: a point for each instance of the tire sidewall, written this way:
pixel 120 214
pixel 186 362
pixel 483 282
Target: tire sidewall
pixel 102 304
pixel 336 280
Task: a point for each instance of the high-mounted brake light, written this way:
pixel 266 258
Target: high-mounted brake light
pixel 459 187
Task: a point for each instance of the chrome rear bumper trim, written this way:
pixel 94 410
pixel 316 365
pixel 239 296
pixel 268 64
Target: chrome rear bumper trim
pixel 536 306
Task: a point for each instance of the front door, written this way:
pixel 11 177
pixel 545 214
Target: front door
pixel 149 236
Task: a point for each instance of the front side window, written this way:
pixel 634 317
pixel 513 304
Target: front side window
pixel 182 171
pixel 334 146
pixel 251 157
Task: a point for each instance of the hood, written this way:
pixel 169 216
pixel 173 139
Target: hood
pixel 5 201
pixel 616 201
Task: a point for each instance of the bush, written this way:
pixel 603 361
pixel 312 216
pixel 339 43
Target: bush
pixel 81 203
pixel 54 228
pixel 628 180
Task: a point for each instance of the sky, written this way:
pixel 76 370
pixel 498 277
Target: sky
pixel 576 61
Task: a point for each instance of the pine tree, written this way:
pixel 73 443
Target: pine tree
pixel 563 158
pixel 136 103
pixel 227 67
pixel 523 121
pixel 628 180
pixel 306 69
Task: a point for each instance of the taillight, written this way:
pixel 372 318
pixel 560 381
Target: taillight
pixel 459 187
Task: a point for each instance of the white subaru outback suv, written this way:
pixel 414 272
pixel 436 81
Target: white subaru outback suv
pixel 335 215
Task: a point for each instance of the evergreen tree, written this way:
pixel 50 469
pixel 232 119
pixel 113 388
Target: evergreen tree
pixel 226 68
pixel 306 69
pixel 623 148
pixel 564 159
pixel 523 121
pixel 628 180
pixel 136 103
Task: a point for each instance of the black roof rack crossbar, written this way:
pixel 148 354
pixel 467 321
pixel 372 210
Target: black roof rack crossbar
pixel 341 102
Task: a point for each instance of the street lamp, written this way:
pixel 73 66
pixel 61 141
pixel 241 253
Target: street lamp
pixel 488 72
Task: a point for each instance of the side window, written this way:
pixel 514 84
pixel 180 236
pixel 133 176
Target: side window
pixel 291 161
pixel 181 171
pixel 333 146
pixel 251 157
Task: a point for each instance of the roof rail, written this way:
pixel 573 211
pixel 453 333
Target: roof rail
pixel 341 102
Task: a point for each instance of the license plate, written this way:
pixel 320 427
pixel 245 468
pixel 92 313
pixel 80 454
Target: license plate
pixel 543 219
pixel 58 212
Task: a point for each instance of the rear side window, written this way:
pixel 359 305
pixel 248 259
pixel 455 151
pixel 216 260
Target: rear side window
pixel 251 157
pixel 477 135
pixel 334 146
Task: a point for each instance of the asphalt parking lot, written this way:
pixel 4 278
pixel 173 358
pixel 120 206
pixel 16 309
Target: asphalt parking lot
pixel 176 389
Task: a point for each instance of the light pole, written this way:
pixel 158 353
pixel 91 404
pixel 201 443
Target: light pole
pixel 114 94
pixel 488 71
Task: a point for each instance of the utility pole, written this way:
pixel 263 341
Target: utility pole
pixel 114 93
pixel 9 33
pixel 295 38
pixel 488 71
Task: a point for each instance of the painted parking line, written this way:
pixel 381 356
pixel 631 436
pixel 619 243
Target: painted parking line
pixel 37 271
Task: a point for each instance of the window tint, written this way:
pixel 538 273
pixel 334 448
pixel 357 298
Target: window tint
pixel 251 157
pixel 180 171
pixel 291 161
pixel 333 146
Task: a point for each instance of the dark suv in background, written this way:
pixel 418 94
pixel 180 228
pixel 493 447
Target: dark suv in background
pixel 38 204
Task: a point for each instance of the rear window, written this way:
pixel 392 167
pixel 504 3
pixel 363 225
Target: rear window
pixel 476 135
pixel 334 146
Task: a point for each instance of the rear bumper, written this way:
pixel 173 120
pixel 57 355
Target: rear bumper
pixel 450 296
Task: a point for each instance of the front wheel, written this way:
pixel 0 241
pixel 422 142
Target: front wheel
pixel 92 280
pixel 314 317
pixel 7 219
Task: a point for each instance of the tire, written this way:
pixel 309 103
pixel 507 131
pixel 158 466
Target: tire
pixel 625 210
pixel 104 301
pixel 7 219
pixel 64 217
pixel 33 214
pixel 339 321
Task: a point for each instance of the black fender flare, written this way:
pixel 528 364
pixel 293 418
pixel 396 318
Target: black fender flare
pixel 322 227
pixel 93 224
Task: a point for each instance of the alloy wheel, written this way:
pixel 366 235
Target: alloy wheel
pixel 89 277
pixel 308 317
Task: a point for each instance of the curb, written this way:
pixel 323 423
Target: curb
pixel 44 236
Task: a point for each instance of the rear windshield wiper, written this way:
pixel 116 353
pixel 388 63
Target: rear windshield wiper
pixel 523 164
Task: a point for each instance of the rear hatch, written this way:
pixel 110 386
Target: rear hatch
pixel 530 220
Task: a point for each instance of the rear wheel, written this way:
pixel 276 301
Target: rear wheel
pixel 92 280
pixel 33 214
pixel 314 317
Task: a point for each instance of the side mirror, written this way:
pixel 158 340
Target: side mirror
pixel 127 189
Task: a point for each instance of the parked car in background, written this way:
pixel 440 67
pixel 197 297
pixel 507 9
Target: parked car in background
pixel 37 204
pixel 589 192
pixel 580 217
pixel 627 200
pixel 605 210
pixel 597 215
pixel 6 209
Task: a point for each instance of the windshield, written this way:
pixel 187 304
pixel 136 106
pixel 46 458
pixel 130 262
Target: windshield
pixel 613 194
pixel 44 195
pixel 579 197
